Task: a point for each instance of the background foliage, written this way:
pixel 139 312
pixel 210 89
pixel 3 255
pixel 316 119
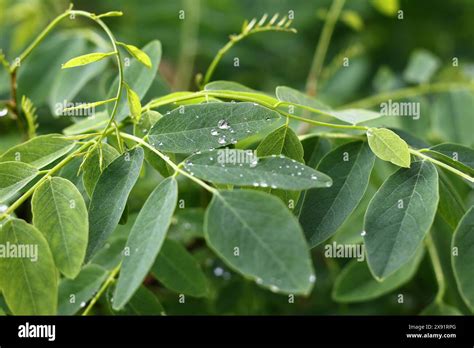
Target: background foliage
pixel 383 52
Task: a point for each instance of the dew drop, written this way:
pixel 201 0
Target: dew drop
pixel 299 173
pixel 83 304
pixel 259 280
pixel 273 187
pixel 314 177
pixel 3 112
pixel 274 288
pixel 221 140
pixel 328 184
pixel 264 184
pixel 218 271
pixel 214 132
pixel 312 278
pixel 363 233
pixel 223 124
pixel 256 184
pixel 3 208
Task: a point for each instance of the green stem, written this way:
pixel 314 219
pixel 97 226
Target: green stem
pixel 107 283
pixel 437 268
pixel 234 39
pixel 440 87
pixel 237 96
pixel 322 47
pixel 50 172
pixel 177 168
pixel 37 41
pixel 441 164
pixel 111 37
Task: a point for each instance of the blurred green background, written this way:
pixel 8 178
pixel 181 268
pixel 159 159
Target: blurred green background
pixel 379 45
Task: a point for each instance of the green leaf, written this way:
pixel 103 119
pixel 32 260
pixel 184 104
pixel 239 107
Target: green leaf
pixel 353 116
pixel 421 66
pixel 291 95
pixel 177 269
pixel 70 82
pixel 440 308
pixel 143 302
pixel 204 126
pixel 462 258
pixel 282 141
pixel 147 120
pixel 13 177
pixel 399 216
pixel 242 167
pixel 82 106
pixel 355 283
pixel 256 235
pixel 110 196
pixel 458 156
pixel 389 146
pixel 133 104
pixel 86 59
pixel 146 239
pixel 39 151
pixel 452 116
pixel 138 77
pixel 387 7
pixel 29 281
pixel 451 207
pixel 91 166
pixel 323 211
pixel 95 122
pixel 60 213
pixel 187 225
pixel 243 90
pixel 74 293
pixel 138 54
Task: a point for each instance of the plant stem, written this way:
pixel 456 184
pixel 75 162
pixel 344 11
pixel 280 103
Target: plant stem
pixel 38 40
pixel 177 168
pixel 47 30
pixel 233 40
pixel 441 164
pixel 105 285
pixel 438 270
pixel 440 87
pixel 50 172
pixel 235 95
pixel 322 47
